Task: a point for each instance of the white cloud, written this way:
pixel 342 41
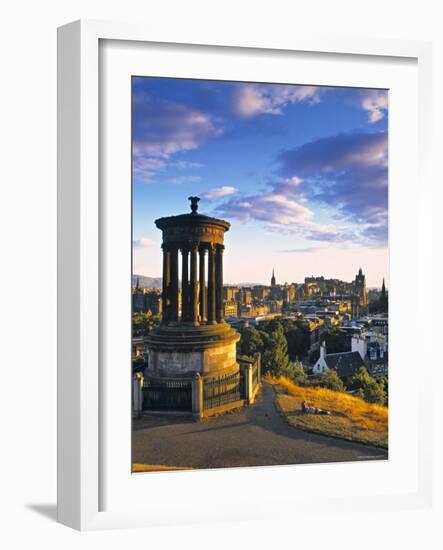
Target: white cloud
pixel 375 102
pixel 184 179
pixel 274 209
pixel 289 186
pixel 146 167
pixel 281 210
pixel 306 250
pixel 253 99
pixel 184 164
pixel 162 128
pixel 219 192
pixel 143 243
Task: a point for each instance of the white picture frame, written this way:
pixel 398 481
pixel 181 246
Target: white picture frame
pixel 81 413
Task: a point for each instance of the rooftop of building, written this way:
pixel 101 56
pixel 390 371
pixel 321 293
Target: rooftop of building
pixel 345 363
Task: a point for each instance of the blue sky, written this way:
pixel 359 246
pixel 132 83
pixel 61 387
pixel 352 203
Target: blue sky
pixel 301 172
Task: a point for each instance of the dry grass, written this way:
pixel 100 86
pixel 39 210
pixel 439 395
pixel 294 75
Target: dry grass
pixel 352 418
pixel 154 468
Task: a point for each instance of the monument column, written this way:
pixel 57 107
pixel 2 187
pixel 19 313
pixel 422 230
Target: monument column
pixel 193 290
pixel 211 285
pixel 202 274
pixel 166 299
pixel 174 285
pixel 219 282
pixel 185 284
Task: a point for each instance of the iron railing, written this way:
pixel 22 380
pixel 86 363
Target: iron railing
pixel 221 390
pixel 167 394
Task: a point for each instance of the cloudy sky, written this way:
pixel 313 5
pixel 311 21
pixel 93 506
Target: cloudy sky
pixel 301 172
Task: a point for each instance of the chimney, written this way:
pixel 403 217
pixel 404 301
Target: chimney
pixel 322 350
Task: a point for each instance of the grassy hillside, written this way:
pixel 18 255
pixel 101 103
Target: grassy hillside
pixel 352 418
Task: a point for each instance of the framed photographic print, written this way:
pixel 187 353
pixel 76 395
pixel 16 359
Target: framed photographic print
pixel 232 264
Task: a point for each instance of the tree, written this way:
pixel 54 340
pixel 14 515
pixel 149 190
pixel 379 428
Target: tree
pixel 368 388
pixel 336 340
pixel 331 380
pixel 251 341
pixel 275 324
pixel 275 354
pixel 140 324
pixel 298 342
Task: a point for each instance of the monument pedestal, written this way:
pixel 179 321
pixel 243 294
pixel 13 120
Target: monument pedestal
pixel 184 350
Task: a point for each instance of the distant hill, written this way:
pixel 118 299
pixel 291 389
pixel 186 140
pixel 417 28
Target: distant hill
pixel 147 282
pixel 245 284
pixel 156 282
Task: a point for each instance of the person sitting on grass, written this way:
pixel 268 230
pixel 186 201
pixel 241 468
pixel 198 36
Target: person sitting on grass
pixel 312 410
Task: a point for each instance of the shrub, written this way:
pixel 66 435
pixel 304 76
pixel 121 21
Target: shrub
pixel 331 380
pixel 368 388
pixel 296 373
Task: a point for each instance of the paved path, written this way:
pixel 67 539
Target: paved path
pixel 255 436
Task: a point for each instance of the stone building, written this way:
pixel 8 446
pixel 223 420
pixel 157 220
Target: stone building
pixel 230 309
pixel 260 292
pixel 360 289
pixel 146 301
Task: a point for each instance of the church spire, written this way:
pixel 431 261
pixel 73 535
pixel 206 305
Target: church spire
pixel 273 278
pixel 383 288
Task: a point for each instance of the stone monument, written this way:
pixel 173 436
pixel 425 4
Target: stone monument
pixel 193 336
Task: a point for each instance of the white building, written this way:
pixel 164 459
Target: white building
pixel 367 349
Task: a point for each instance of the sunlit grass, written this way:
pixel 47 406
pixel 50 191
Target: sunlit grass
pixel 352 418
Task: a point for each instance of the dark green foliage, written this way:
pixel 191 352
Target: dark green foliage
pixel 296 373
pixel 251 341
pixel 379 306
pixel 275 354
pixel 298 342
pixel 142 323
pixel 368 388
pixel 331 380
pixel 296 333
pixel 280 341
pixel 336 340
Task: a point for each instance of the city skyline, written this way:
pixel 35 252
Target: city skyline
pixel 300 172
pixel 268 282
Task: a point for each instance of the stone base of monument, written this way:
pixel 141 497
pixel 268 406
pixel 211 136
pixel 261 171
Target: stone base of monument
pixel 184 350
pixel 194 369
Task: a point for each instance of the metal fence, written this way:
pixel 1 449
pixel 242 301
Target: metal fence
pixel 221 390
pixel 201 394
pixel 167 394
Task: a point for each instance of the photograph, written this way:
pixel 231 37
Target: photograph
pixel 260 274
